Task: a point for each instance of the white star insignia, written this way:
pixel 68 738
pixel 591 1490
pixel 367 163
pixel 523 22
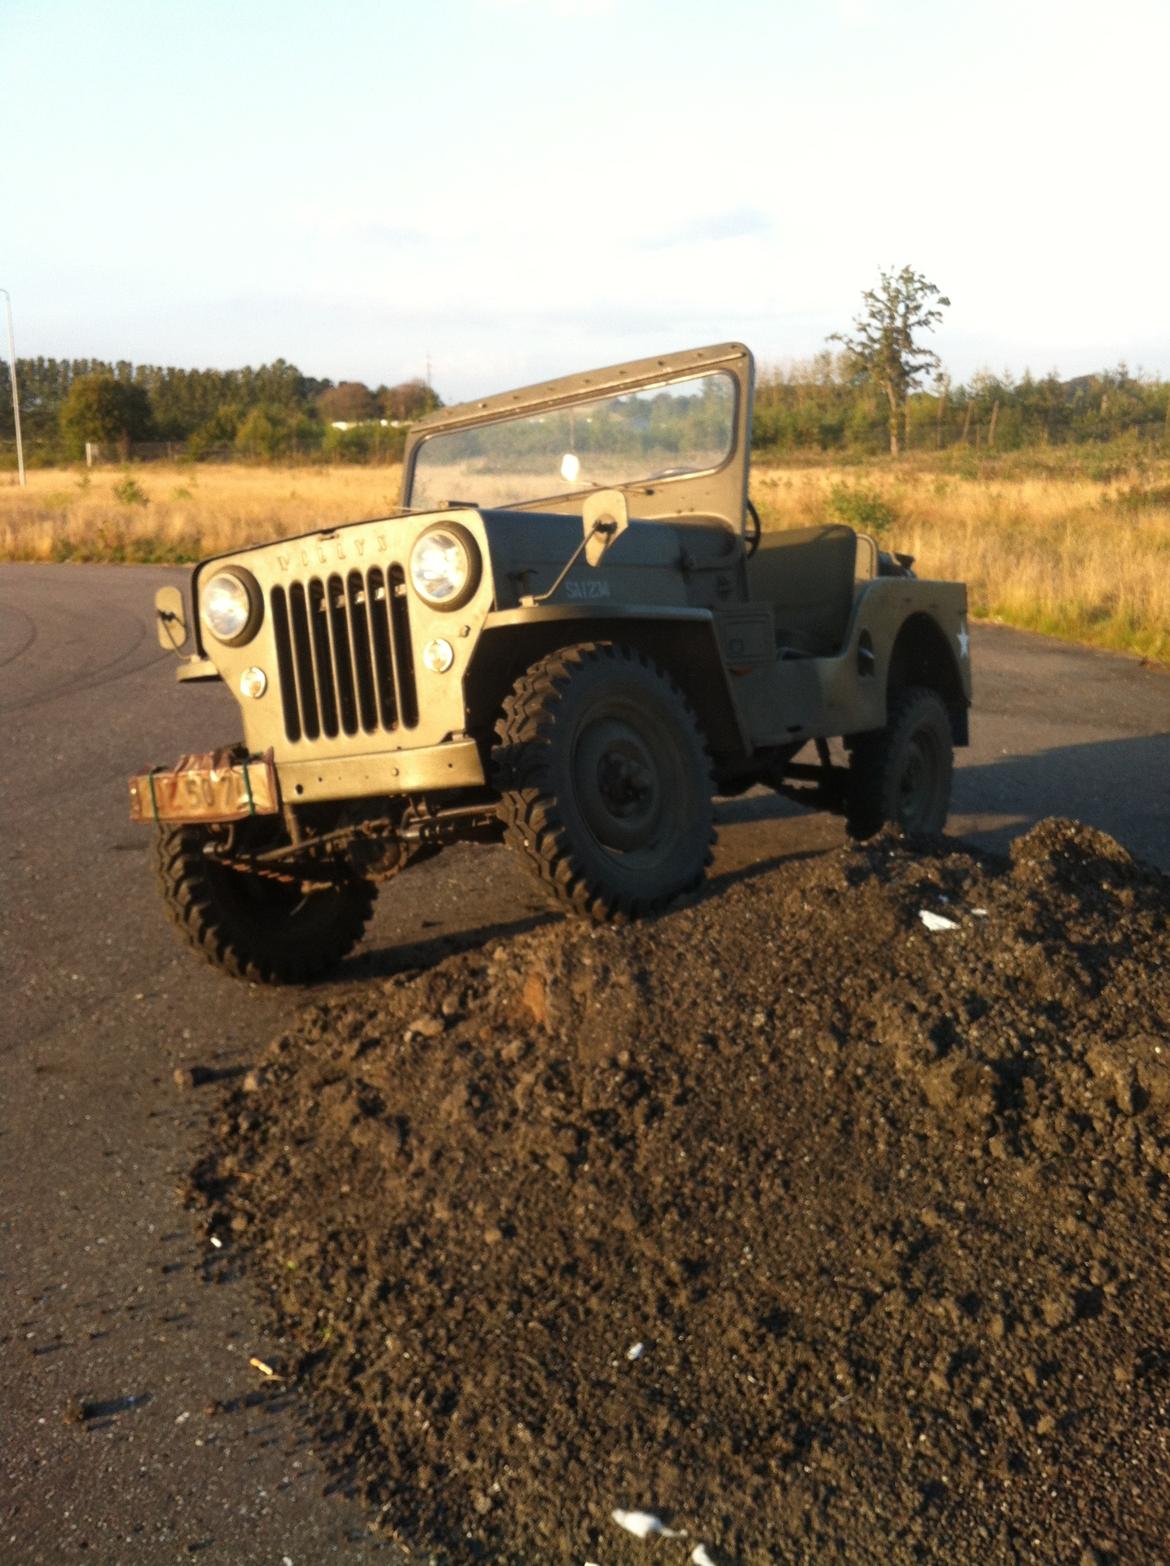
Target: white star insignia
pixel 964 642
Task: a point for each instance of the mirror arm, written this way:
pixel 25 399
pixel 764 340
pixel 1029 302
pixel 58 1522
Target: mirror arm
pixel 602 525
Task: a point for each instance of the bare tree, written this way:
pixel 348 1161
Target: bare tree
pixel 408 401
pixel 348 403
pixel 883 347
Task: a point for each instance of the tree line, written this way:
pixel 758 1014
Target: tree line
pixel 265 412
pixel 835 403
pixel 821 405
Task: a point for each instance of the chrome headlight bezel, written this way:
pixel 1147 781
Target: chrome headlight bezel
pixel 459 591
pixel 251 603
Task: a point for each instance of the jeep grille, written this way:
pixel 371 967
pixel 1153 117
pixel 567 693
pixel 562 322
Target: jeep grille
pixel 343 654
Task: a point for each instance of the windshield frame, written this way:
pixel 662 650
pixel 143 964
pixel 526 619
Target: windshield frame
pixel 633 480
pixel 716 493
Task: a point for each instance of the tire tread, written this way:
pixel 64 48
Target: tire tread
pixel 190 899
pixel 533 825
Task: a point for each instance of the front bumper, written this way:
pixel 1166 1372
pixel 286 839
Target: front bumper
pixel 453 764
pixel 228 785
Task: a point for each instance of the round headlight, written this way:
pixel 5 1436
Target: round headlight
pixel 444 566
pixel 230 603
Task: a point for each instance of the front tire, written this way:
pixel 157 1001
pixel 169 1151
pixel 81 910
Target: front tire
pixel 902 773
pixel 268 931
pixel 604 781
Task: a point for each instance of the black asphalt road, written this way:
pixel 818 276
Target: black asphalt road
pixel 102 1275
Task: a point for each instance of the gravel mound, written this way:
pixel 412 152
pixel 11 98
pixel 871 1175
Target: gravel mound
pixel 819 1233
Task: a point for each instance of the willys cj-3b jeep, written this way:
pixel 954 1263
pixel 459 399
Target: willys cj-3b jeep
pixel 571 635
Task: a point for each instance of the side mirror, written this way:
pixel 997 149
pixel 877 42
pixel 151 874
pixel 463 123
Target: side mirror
pixel 604 519
pixel 170 611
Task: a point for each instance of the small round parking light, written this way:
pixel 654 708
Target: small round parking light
pixel 438 655
pixel 253 682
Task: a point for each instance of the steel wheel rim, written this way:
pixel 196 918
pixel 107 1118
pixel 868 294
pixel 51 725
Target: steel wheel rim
pixel 617 772
pixel 918 782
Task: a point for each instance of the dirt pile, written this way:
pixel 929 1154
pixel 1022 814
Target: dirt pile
pixel 823 1235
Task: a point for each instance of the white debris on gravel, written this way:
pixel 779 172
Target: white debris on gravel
pixel 934 921
pixel 700 1556
pixel 644 1525
pixel 635 1351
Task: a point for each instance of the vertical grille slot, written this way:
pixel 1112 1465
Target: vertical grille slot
pixel 343 654
pixel 363 659
pixel 378 602
pixel 306 685
pixel 284 664
pixel 403 649
pixel 323 655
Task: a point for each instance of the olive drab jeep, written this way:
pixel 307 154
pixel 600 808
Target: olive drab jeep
pixel 571 635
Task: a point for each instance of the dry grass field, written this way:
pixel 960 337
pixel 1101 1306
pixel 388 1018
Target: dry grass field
pixel 1070 556
pixel 178 512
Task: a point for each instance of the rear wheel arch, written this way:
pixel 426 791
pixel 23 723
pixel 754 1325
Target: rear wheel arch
pixel 923 657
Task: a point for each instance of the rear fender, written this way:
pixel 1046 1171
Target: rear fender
pixel 918 633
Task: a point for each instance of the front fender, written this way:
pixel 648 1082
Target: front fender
pixel 684 641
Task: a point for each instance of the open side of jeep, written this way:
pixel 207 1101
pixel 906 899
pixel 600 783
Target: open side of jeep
pixel 571 635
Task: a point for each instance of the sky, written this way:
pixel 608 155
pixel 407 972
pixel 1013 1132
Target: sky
pixel 506 190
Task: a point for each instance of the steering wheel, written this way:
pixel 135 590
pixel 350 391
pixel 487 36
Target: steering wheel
pixel 752 537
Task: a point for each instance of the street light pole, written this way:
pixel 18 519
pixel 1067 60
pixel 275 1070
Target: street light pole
pixel 15 393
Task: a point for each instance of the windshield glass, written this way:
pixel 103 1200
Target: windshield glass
pixel 660 432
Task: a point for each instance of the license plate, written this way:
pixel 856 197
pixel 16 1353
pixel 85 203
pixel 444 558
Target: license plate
pixel 218 786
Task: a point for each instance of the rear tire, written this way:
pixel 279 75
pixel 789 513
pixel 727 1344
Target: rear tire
pixel 268 931
pixel 604 780
pixel 902 773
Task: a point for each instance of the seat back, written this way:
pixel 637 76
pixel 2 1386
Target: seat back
pixel 807 575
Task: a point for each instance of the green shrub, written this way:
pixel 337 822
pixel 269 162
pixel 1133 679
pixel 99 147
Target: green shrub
pixel 131 493
pixel 365 443
pixel 272 432
pixel 861 506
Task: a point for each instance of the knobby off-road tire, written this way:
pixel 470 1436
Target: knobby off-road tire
pixel 605 784
pixel 902 773
pixel 264 930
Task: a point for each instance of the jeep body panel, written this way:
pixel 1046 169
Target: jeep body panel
pixel 802 697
